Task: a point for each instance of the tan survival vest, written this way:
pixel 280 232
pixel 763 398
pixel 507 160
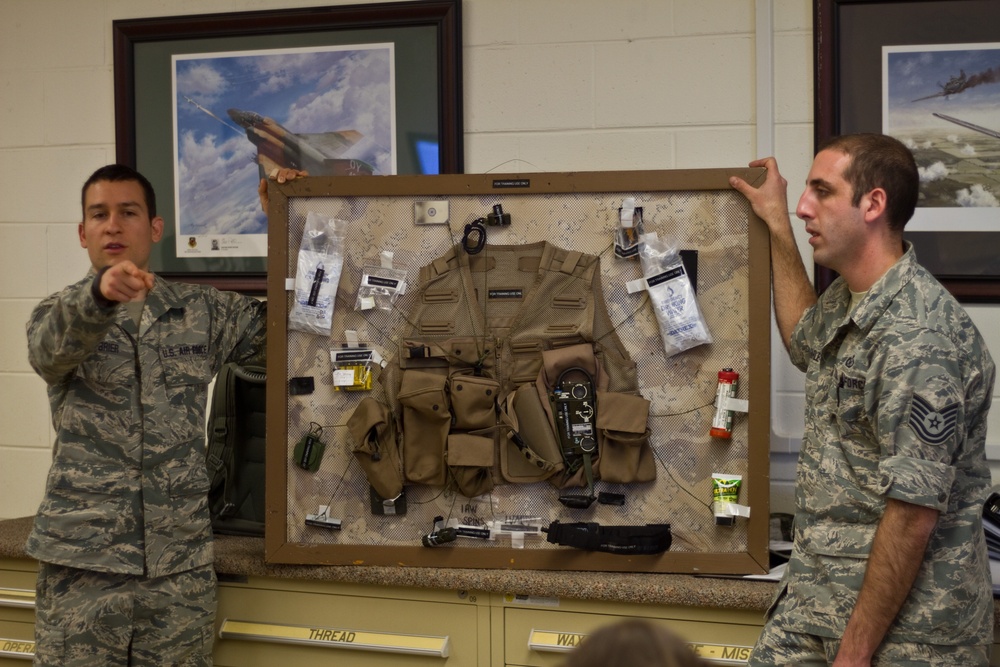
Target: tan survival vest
pixel 490 334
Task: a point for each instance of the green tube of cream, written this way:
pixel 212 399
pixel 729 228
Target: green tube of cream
pixel 725 492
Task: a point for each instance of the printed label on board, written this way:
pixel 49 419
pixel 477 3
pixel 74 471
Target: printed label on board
pixel 512 183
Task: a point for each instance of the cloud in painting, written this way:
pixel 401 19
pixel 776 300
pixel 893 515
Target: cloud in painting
pixel 935 172
pixel 976 196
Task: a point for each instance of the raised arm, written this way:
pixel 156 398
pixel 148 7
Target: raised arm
pixel 793 293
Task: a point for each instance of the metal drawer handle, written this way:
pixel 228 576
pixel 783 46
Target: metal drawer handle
pixel 17 597
pixel 335 638
pixel 547 641
pixel 561 642
pixel 17 649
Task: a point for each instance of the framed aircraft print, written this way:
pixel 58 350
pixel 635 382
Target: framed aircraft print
pixel 928 73
pixel 207 105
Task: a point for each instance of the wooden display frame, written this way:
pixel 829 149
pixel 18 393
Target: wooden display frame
pixel 279 548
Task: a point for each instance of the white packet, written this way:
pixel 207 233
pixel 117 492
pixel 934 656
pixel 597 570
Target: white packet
pixel 380 287
pixel 321 260
pixel 672 295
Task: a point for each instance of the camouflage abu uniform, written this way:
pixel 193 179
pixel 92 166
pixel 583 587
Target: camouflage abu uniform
pixel 896 400
pixel 127 490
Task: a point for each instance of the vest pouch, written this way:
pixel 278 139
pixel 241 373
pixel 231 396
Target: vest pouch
pixel 426 419
pixel 554 362
pixel 540 457
pixel 375 447
pixel 623 438
pixel 473 402
pixel 470 460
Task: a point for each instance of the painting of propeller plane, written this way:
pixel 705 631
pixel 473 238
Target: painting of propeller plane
pixel 943 101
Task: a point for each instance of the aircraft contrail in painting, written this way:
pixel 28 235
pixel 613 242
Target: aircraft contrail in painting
pixel 970 126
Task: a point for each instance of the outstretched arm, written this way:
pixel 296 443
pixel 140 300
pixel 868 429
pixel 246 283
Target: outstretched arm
pixel 125 282
pixel 793 293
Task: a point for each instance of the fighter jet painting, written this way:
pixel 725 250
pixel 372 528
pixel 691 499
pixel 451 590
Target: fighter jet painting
pixel 943 101
pixel 322 154
pixel 239 115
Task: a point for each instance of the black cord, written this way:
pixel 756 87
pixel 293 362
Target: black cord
pixel 476 229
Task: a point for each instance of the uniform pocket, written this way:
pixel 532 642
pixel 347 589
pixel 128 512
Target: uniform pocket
pixel 50 645
pixel 188 489
pixel 188 481
pixel 85 504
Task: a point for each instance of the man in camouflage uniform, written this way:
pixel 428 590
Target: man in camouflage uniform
pixel 889 565
pixel 123 534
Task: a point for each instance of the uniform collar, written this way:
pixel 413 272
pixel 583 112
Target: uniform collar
pixel 836 302
pixel 885 289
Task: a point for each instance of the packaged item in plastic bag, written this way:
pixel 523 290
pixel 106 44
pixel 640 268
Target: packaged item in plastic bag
pixel 629 230
pixel 321 260
pixel 353 366
pixel 380 287
pixel 672 295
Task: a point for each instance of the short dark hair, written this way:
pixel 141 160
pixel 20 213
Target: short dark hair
pixel 880 161
pixel 116 173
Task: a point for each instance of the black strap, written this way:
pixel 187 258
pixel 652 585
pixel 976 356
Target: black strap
pixel 648 539
pixel 220 456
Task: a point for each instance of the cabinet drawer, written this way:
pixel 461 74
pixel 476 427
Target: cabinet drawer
pixel 266 627
pixel 17 605
pixel 17 643
pixel 557 632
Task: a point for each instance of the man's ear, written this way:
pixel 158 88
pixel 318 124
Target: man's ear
pixel 873 204
pixel 157 224
pixel 82 234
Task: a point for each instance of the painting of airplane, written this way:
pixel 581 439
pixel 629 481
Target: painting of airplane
pixel 320 154
pixel 239 115
pixel 955 85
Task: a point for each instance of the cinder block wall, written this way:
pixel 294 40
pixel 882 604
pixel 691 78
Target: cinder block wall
pixel 550 85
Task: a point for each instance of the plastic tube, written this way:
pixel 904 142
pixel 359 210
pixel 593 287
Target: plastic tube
pixel 725 492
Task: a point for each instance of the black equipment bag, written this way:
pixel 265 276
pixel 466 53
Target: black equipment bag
pixel 235 453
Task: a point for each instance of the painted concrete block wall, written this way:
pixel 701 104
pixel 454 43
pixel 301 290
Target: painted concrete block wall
pixel 549 85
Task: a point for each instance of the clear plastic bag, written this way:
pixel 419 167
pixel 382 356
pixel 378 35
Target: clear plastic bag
pixel 380 287
pixel 353 366
pixel 672 295
pixel 320 263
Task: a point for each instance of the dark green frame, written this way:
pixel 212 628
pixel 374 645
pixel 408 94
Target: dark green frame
pixel 427 35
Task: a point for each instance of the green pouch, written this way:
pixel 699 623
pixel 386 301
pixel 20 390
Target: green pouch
pixel 308 452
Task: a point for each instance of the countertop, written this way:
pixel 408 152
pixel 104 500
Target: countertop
pixel 244 556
